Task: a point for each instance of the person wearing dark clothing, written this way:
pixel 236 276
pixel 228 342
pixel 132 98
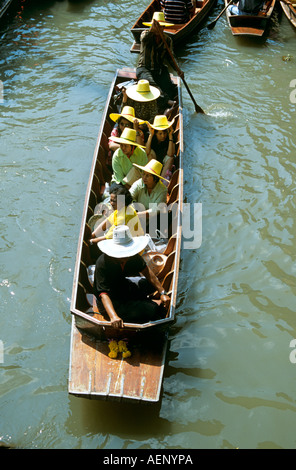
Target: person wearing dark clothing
pixel 152 62
pixel 246 7
pixel 120 291
pixel 177 11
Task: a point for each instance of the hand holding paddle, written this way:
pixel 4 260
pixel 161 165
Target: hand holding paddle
pixel 159 30
pixel 213 24
pixel 290 4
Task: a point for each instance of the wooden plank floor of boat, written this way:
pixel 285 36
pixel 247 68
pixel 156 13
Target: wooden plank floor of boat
pixel 135 47
pixel 247 31
pixel 95 375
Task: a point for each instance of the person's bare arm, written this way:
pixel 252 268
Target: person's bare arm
pixel 171 146
pixel 140 135
pixel 113 146
pixel 115 320
pixel 149 140
pixel 101 228
pixel 150 276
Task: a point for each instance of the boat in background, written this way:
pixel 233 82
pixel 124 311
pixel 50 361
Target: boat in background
pixel 290 12
pixel 251 25
pixel 4 7
pixel 179 32
pixel 92 373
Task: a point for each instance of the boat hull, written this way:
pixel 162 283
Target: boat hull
pixel 250 25
pixel 100 377
pixel 178 33
pixel 290 13
pixel 92 373
pixel 5 6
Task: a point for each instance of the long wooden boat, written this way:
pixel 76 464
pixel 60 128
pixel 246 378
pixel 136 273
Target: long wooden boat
pixel 290 12
pixel 251 25
pixel 179 32
pixel 92 373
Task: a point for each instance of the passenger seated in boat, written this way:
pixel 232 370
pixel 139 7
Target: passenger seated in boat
pixel 123 214
pixel 123 158
pixel 122 298
pixel 143 98
pixel 149 193
pixel 160 144
pixel 246 7
pixel 125 119
pixel 177 11
pixel 151 63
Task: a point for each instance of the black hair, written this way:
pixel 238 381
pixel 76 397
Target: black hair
pixel 156 178
pixel 118 123
pixel 120 190
pixel 160 148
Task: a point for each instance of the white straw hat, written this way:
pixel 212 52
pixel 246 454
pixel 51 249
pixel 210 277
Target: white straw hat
pixel 123 245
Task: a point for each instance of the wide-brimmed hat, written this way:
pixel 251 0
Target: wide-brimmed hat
pixel 161 122
pixel 143 91
pixel 128 136
pixel 123 245
pixel 128 113
pixel 154 167
pixel 159 16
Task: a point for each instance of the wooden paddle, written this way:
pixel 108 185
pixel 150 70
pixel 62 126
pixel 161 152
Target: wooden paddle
pixel 213 24
pixel 198 109
pixel 290 4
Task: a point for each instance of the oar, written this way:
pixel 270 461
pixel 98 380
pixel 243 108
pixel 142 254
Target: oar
pixel 198 109
pixel 288 3
pixel 213 24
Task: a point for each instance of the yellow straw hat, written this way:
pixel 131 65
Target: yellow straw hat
pixel 128 136
pixel 154 167
pixel 142 91
pixel 159 16
pixel 161 122
pixel 128 113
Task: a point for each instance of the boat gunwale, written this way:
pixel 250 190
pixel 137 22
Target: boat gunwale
pixel 86 199
pixel 177 32
pixel 290 13
pixel 171 312
pixel 249 25
pixel 5 7
pixel 90 334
